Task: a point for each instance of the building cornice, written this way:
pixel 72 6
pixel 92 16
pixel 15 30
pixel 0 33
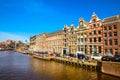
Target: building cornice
pixel 110 22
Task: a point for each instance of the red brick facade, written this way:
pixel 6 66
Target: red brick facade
pixel 111 35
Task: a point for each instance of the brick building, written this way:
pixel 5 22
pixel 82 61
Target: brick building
pixel 95 35
pixel 111 32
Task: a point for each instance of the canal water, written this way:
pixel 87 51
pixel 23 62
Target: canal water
pixel 17 66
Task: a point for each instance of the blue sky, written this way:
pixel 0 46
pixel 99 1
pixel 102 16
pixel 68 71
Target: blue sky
pixel 20 19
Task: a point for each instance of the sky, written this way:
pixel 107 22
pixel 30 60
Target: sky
pixel 20 19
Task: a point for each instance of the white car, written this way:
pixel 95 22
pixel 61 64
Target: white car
pixel 96 57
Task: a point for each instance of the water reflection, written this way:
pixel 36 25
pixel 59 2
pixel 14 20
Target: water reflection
pixel 16 66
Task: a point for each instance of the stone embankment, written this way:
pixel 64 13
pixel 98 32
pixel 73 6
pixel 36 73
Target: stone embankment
pixel 107 67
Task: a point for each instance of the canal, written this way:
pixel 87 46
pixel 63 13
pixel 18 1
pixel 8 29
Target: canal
pixel 17 66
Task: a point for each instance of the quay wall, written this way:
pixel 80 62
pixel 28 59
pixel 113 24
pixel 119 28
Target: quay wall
pixel 112 68
pixel 107 67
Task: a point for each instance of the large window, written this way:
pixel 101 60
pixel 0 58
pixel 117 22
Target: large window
pixel 115 33
pixel 111 51
pixel 115 42
pixel 95 48
pixel 94 32
pixel 99 48
pixel 90 34
pixel 105 34
pixel 94 39
pixel 110 42
pixel 65 40
pixel 94 20
pixel 90 39
pixel 115 27
pixel 99 32
pixel 81 39
pixel 105 28
pixel 116 51
pixel 106 50
pixel 65 45
pixel 106 42
pixel 110 34
pixel 99 39
pixel 65 31
pixel 90 49
pixel 65 35
pixel 110 28
pixel 72 32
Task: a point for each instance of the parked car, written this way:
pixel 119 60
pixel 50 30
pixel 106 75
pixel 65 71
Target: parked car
pixel 96 56
pixel 82 56
pixel 116 58
pixel 66 56
pixel 107 58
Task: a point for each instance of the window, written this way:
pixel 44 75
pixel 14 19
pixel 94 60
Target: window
pixel 90 34
pixel 99 48
pixel 94 39
pixel 90 39
pixel 81 34
pixel 95 48
pixel 71 32
pixel 65 40
pixel 105 28
pixel 106 42
pixel 81 39
pixel 110 28
pixel 65 31
pixel 94 20
pixel 106 50
pixel 94 32
pixel 105 34
pixel 110 42
pixel 116 51
pixel 65 45
pixel 115 27
pixel 115 33
pixel 111 51
pixel 78 40
pixel 90 49
pixel 115 42
pixel 99 32
pixel 94 25
pixel 110 34
pixel 99 39
pixel 65 35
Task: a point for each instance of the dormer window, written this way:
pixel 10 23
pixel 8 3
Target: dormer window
pixel 81 22
pixel 94 20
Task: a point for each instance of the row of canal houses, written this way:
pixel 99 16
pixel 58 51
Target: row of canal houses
pixel 96 36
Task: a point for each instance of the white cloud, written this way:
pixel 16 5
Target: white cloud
pixel 5 35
